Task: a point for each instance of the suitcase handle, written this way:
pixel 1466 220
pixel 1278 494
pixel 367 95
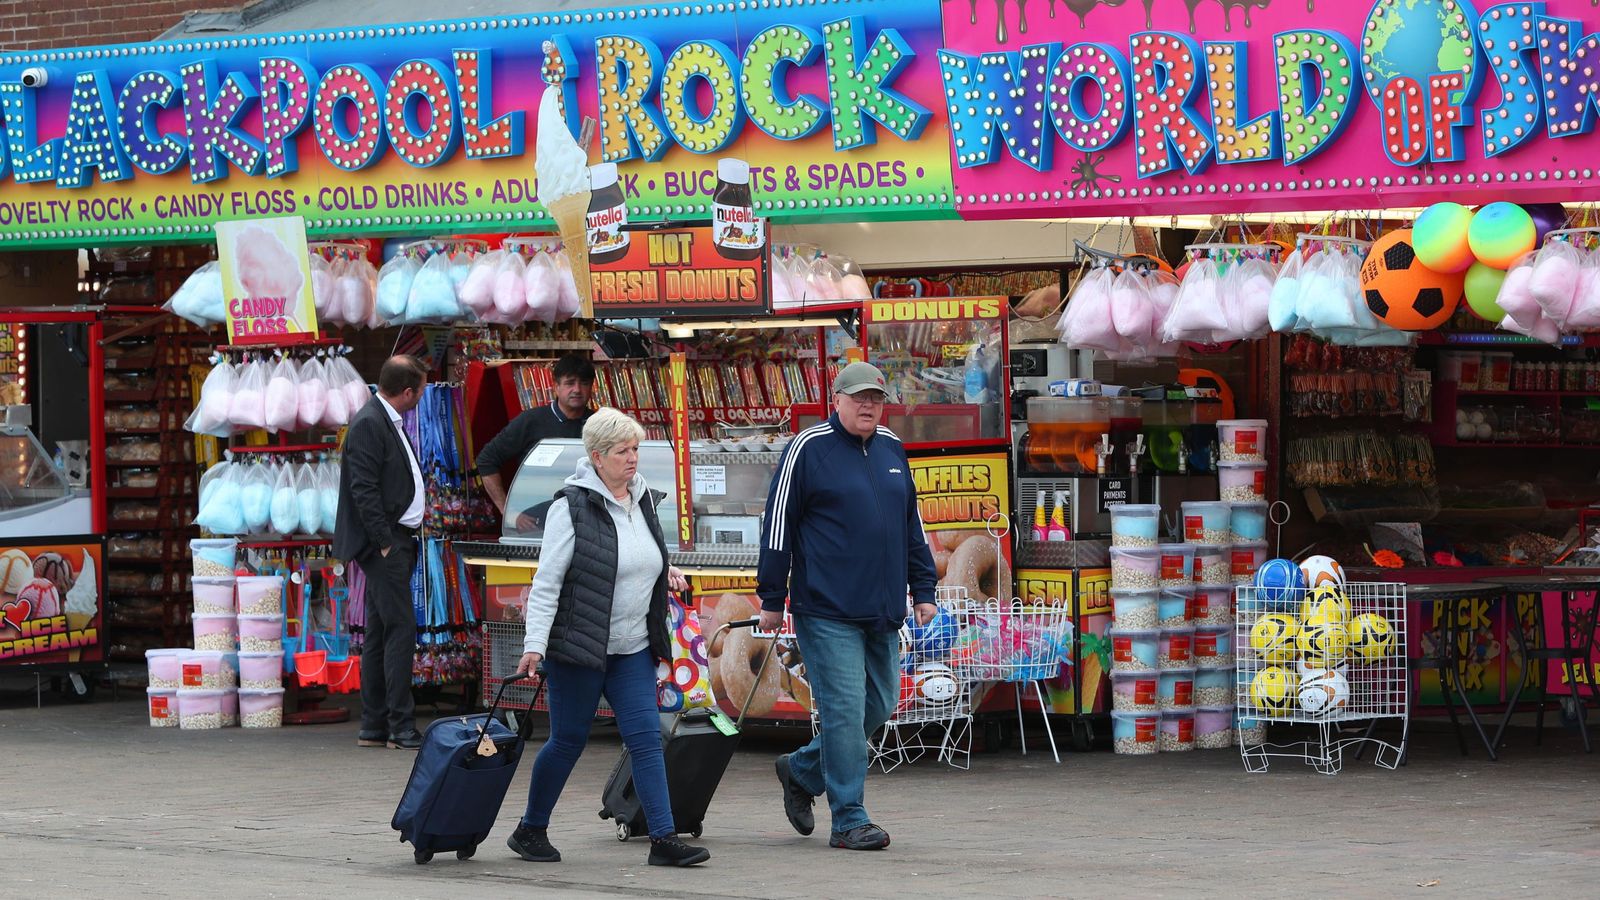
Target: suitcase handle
pixel 524 727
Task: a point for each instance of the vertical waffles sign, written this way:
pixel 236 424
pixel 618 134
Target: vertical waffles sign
pixel 50 603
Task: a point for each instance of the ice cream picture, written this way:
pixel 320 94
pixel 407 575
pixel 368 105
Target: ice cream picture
pixel 83 600
pixel 263 266
pixel 42 596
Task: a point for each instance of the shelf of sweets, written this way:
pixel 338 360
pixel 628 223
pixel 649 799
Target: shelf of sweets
pixel 642 385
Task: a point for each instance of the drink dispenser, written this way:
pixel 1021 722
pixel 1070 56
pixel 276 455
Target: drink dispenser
pixel 1166 423
pixel 1200 437
pixel 1064 434
pixel 1126 422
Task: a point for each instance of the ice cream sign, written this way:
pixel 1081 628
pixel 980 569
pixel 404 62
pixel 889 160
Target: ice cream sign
pixel 266 281
pixel 1172 106
pixel 50 609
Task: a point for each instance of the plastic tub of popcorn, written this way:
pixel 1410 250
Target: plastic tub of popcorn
pixel 214 557
pixel 1172 610
pixel 1251 732
pixel 1247 558
pixel 1242 482
pixel 260 671
pixel 1213 727
pixel 200 710
pixel 1175 689
pixel 1175 649
pixel 1212 564
pixel 1134 733
pixel 1176 566
pixel 261 709
pixel 216 632
pixel 163 703
pixel 213 596
pixel 260 595
pixel 1212 604
pixel 164 668
pixel 1135 691
pixel 230 709
pixel 1133 649
pixel 1135 568
pixel 1133 609
pixel 1213 687
pixel 209 670
pixel 1177 731
pixel 261 634
pixel 1135 525
pixel 1206 521
pixel 1213 647
pixel 1248 522
pixel 1242 440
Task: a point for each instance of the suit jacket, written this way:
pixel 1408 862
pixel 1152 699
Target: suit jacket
pixel 375 485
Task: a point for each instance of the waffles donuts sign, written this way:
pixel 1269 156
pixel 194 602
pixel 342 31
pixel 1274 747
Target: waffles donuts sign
pixel 50 603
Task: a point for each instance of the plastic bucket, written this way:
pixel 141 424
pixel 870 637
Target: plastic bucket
pixel 261 634
pixel 1206 521
pixel 206 670
pixel 1135 525
pixel 1175 649
pixel 1248 522
pixel 260 671
pixel 344 675
pixel 1176 566
pixel 163 703
pixel 200 710
pixel 1177 731
pixel 1175 689
pixel 164 668
pixel 1212 605
pixel 1242 440
pixel 1214 687
pixel 1134 691
pixel 260 595
pixel 1213 727
pixel 1247 558
pixel 1242 482
pixel 1213 647
pixel 214 557
pixel 1135 569
pixel 1133 609
pixel 216 633
pixel 311 667
pixel 1134 733
pixel 213 596
pixel 261 709
pixel 1212 564
pixel 1133 649
pixel 1173 609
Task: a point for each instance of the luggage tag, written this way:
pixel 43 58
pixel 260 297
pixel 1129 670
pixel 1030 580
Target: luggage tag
pixel 486 746
pixel 724 724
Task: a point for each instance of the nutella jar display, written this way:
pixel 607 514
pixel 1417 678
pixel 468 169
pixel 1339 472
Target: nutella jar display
pixel 607 220
pixel 735 228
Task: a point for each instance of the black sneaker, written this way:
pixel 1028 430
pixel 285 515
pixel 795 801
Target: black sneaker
pixel 406 740
pixel 796 802
pixel 861 837
pixel 533 844
pixel 366 738
pixel 669 851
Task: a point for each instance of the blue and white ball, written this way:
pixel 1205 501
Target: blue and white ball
pixel 1278 584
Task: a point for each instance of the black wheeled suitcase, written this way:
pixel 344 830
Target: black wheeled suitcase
pixel 697 754
pixel 461 775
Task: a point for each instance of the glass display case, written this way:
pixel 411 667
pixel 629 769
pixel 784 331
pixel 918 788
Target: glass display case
pixel 545 470
pixel 945 362
pixel 34 497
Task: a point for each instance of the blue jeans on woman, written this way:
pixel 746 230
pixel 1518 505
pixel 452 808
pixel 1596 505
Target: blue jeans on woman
pixel 629 685
pixel 854 676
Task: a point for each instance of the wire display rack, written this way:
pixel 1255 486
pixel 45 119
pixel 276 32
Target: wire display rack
pixel 502 650
pixel 934 708
pixel 1332 658
pixel 1018 643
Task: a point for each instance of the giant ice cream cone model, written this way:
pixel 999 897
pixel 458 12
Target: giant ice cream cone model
pixel 562 168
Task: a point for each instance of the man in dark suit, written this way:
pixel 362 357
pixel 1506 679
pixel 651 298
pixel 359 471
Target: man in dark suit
pixel 380 510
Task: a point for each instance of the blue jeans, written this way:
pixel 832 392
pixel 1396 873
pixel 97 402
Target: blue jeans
pixel 854 675
pixel 629 685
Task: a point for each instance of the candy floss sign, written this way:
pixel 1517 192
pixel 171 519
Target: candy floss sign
pixel 266 281
pixel 1238 105
pixel 430 127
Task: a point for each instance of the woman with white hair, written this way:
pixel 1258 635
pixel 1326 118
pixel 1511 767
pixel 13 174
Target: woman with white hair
pixel 597 618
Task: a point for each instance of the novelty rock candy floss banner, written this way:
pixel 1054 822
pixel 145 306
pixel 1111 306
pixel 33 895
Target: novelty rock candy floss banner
pixel 852 110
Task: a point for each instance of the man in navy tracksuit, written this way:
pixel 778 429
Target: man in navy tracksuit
pixel 843 541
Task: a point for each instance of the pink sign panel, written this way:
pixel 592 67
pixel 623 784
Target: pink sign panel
pixel 1167 106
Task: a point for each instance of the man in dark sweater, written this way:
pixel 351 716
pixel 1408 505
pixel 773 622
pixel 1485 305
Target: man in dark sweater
pixel 564 417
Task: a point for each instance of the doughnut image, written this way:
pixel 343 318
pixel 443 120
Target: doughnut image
pixel 793 676
pixel 729 607
pixel 953 539
pixel 941 553
pixel 979 567
pixel 738 663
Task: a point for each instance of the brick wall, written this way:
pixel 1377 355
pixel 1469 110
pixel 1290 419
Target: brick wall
pixel 31 24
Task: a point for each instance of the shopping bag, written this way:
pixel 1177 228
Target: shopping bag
pixel 685 682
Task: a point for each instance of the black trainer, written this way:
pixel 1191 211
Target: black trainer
pixel 406 740
pixel 375 738
pixel 533 844
pixel 796 802
pixel 669 851
pixel 861 837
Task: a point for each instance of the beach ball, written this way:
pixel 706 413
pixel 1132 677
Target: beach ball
pixel 1501 232
pixel 1440 237
pixel 1273 689
pixel 1547 217
pixel 1402 292
pixel 1370 637
pixel 1324 693
pixel 1482 288
pixel 1320 570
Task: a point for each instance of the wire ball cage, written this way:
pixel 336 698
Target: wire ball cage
pixel 933 709
pixel 502 651
pixel 1331 657
pixel 1017 642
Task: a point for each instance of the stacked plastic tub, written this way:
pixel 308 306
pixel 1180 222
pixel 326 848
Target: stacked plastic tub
pixel 261 654
pixel 1208 527
pixel 1152 639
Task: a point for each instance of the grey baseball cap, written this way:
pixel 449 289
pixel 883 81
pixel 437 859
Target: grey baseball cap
pixel 857 377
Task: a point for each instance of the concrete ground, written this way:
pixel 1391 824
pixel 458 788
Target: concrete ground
pixel 99 805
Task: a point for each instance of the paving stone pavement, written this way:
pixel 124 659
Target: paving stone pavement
pixel 99 805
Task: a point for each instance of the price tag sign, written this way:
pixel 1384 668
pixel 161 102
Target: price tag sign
pixel 710 480
pixel 1115 492
pixel 544 457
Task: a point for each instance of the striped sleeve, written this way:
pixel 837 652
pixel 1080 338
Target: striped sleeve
pixel 785 500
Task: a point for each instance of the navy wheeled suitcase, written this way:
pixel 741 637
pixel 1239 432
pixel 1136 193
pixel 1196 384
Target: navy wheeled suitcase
pixel 697 754
pixel 461 775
